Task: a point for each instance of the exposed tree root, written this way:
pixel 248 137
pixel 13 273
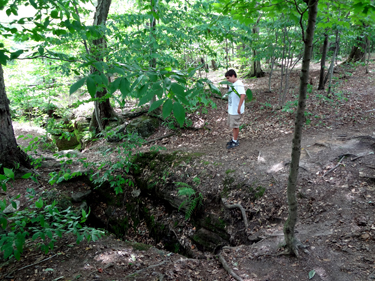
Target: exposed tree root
pixel 131 115
pixel 243 211
pixel 228 269
pixel 294 250
pixel 334 168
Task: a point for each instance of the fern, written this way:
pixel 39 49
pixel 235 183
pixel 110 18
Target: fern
pixel 192 201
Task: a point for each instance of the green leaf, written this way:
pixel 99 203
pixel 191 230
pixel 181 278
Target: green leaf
pixel 146 98
pixel 17 254
pixel 119 70
pixel 179 113
pixel 249 94
pixel 91 86
pixel 3 222
pixel 77 85
pixel 179 91
pixel 142 91
pixel 26 176
pixel 16 54
pixel 9 173
pixel 98 66
pixel 156 104
pixel 8 250
pixel 49 234
pixel 3 177
pixel 167 108
pixel 20 241
pixel 124 87
pixel 3 58
pixel 136 83
pixel 311 274
pixel 41 51
pixel 226 83
pixel 39 203
pixel 153 77
pixel 55 14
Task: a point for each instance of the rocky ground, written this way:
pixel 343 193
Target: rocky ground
pixel 336 194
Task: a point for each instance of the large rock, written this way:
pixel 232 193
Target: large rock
pixel 80 196
pixel 10 209
pixel 64 144
pixel 145 126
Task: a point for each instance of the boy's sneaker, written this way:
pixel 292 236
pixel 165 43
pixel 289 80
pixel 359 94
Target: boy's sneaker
pixel 229 142
pixel 233 144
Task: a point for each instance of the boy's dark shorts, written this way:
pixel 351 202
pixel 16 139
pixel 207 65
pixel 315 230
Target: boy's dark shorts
pixel 234 121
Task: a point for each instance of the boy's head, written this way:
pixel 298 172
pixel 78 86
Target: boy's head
pixel 231 75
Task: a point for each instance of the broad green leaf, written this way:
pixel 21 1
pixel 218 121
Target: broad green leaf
pixel 3 177
pixel 226 83
pixel 49 234
pixel 3 222
pixel 179 113
pixel 311 274
pixel 156 104
pixel 136 83
pixel 119 70
pixel 153 77
pixel 146 98
pixel 8 250
pixel 39 204
pixel 98 66
pixel 9 173
pixel 55 14
pixel 91 86
pixel 124 87
pixel 17 255
pixel 249 94
pixel 142 91
pixel 77 85
pixel 178 89
pixel 3 58
pixel 167 108
pixel 115 85
pixel 41 51
pixel 214 89
pixel 20 241
pixel 16 54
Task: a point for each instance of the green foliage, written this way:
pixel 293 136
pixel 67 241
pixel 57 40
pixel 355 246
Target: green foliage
pixel 193 199
pixel 40 222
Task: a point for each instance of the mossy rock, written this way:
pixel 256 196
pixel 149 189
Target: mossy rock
pixel 145 126
pixel 208 240
pixel 65 144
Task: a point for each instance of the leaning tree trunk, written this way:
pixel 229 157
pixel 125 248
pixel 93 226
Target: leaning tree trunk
pixel 323 62
pixel 103 110
pixel 291 245
pixel 358 52
pixel 10 153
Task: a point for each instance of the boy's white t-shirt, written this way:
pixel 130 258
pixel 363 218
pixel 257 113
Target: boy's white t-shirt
pixel 234 99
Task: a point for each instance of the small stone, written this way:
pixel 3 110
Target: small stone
pixel 365 236
pixel 10 209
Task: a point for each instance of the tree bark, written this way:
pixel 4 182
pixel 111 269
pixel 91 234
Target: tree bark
pixel 332 64
pixel 256 68
pixel 358 52
pixel 103 110
pixel 323 62
pixel 289 227
pixel 10 153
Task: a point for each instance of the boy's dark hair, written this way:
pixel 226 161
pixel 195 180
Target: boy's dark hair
pixel 231 72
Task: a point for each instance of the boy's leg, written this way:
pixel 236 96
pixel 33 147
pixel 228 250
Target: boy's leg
pixel 236 131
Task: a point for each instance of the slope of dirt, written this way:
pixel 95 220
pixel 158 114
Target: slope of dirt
pixel 336 191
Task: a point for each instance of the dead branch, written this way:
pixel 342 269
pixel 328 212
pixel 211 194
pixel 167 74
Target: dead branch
pixel 338 164
pixel 144 269
pixel 228 269
pixel 308 153
pixel 9 275
pixel 243 211
pixel 160 138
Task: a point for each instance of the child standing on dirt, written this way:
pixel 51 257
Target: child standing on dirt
pixel 236 106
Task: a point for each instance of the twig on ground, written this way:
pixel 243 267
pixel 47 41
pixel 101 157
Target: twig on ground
pixel 243 211
pixel 160 138
pixel 308 153
pixel 228 269
pixel 9 275
pixel 144 269
pixel 338 164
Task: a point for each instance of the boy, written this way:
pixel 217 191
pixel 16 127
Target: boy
pixel 236 106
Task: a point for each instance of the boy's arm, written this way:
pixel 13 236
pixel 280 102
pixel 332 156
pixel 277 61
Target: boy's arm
pixel 240 103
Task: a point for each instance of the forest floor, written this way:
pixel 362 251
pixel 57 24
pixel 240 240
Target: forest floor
pixel 336 193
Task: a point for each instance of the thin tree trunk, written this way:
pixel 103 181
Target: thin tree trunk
pixel 282 70
pixel 291 245
pixel 103 110
pixel 368 56
pixel 272 62
pixel 256 68
pixel 10 153
pixel 152 62
pixel 332 63
pixel 323 62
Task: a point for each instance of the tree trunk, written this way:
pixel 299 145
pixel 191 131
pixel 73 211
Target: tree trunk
pixel 323 62
pixel 256 68
pixel 368 56
pixel 10 153
pixel 103 110
pixel 289 227
pixel 332 63
pixel 358 52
